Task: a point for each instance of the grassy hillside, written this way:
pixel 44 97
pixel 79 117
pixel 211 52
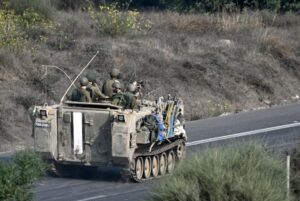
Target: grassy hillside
pixel 218 63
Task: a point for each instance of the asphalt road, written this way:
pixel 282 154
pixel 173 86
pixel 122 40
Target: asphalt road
pixel 282 133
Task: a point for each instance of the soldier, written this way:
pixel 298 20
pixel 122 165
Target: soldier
pixel 81 94
pixel 130 96
pixel 107 86
pixel 93 88
pixel 120 79
pixel 118 97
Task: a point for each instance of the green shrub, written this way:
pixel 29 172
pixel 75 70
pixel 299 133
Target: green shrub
pixel 41 7
pixel 239 173
pixel 213 5
pixel 35 26
pixel 290 5
pixel 18 175
pixel 111 21
pixel 61 41
pixel 10 36
pixel 295 166
pixel 70 4
pixel 15 29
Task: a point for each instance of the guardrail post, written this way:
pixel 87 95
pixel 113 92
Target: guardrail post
pixel 288 159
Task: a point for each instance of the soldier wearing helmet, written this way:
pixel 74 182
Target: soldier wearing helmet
pixel 93 88
pixel 120 78
pixel 81 94
pixel 118 97
pixel 130 96
pixel 108 84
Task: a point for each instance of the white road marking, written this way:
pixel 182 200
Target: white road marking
pixel 236 135
pixel 93 198
pixel 5 152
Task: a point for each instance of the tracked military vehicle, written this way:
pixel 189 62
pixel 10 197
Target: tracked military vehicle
pixel 145 142
pixel 102 134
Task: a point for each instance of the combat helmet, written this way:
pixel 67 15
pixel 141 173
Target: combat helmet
pixel 116 85
pixel 114 73
pixel 91 77
pixel 84 81
pixel 131 88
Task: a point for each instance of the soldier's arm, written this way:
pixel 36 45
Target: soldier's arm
pixel 88 97
pixel 98 93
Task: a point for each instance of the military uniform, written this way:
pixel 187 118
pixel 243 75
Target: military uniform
pixel 130 100
pixel 85 97
pixel 95 92
pixel 108 84
pixel 108 87
pixel 81 94
pixel 130 96
pixel 118 97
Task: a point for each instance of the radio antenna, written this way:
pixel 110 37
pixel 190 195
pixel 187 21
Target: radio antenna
pixel 87 65
pixel 58 68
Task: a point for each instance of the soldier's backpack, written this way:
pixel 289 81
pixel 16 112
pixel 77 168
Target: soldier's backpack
pixel 76 95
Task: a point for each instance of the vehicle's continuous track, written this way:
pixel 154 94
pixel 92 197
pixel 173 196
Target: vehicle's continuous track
pixel 160 161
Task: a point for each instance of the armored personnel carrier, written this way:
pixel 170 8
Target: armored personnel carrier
pixel 145 142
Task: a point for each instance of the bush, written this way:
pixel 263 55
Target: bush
pixel 61 41
pixel 70 4
pixel 213 5
pixel 35 26
pixel 109 20
pixel 17 176
pixel 41 7
pixel 290 5
pixel 239 173
pixel 27 100
pixel 16 28
pixel 10 36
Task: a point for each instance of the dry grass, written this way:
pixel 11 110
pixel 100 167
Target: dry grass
pixel 241 173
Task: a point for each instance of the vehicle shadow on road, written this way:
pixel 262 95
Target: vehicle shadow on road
pixel 108 174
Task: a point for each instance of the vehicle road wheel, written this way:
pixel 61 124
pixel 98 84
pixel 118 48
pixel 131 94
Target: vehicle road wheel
pixel 139 168
pixel 147 168
pixel 171 162
pixel 181 151
pixel 162 164
pixel 155 166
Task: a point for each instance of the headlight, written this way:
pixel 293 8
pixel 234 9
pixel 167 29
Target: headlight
pixel 121 118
